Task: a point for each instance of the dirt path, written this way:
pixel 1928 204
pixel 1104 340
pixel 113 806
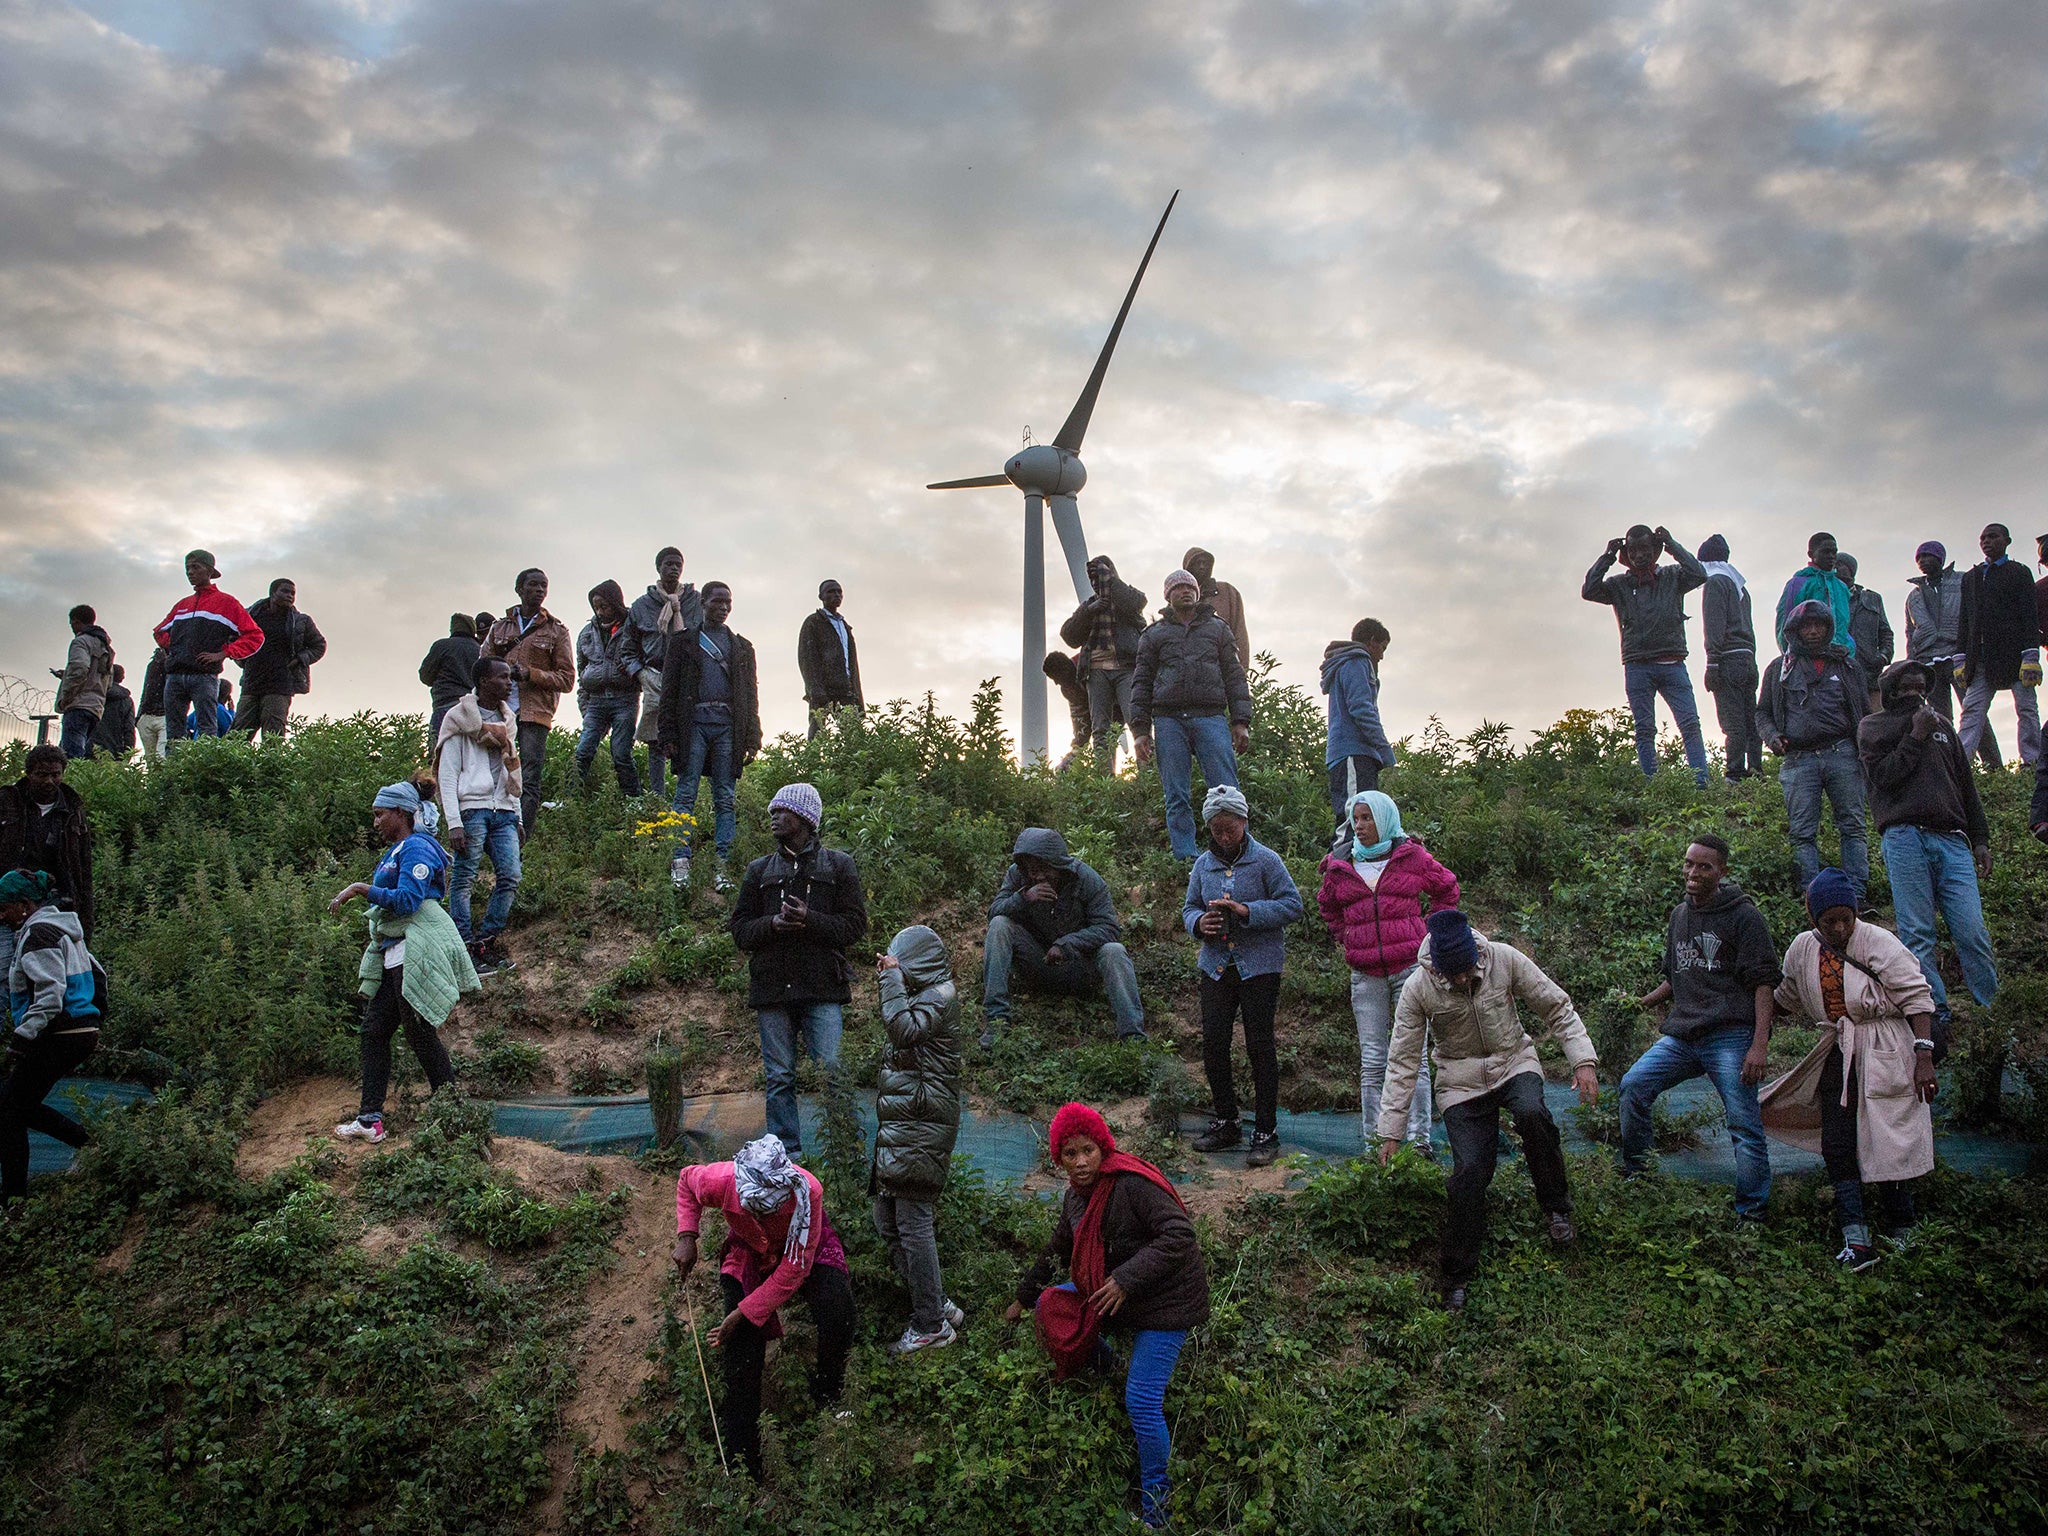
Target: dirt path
pixel 279 1126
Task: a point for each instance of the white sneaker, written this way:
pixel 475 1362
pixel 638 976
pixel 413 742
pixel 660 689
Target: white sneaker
pixel 371 1131
pixel 679 871
pixel 955 1318
pixel 912 1340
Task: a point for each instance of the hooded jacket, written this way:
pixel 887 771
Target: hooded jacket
pixel 1477 1042
pixel 1812 699
pixel 449 669
pixel 1255 944
pixel 116 730
pixel 2000 623
pixel 1380 927
pixel 831 676
pixel 1081 920
pixel 88 669
pixel 54 984
pixel 650 639
pixel 1188 670
pixel 204 621
pixel 1809 585
pixel 1650 614
pixel 807 964
pixel 548 655
pixel 1352 680
pixel 1225 599
pixel 1715 957
pixel 1129 605
pixel 917 1105
pixel 1934 616
pixel 606 662
pixel 682 674
pixel 292 642
pixel 1870 630
pixel 1917 783
pixel 59 842
pixel 1726 627
pixel 476 761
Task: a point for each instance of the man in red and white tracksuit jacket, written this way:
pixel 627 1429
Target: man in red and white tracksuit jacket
pixel 198 634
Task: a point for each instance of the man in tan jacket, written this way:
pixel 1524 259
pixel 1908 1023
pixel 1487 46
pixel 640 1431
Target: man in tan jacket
pixel 536 645
pixel 1462 1000
pixel 1223 597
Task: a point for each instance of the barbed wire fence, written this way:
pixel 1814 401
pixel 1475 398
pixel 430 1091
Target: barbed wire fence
pixel 20 702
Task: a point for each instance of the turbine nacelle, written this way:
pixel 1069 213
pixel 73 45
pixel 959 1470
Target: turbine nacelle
pixel 1045 469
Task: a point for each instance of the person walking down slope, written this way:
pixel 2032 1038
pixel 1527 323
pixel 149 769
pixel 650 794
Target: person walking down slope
pixel 1869 628
pixel 917 1119
pixel 1189 702
pixel 1931 826
pixel 1816 582
pixel 82 685
pixel 1729 634
pixel 415 967
pixel 537 647
pixel 1239 902
pixel 1135 1269
pixel 283 668
pixel 828 658
pixel 1810 706
pixel 200 632
pixel 1372 899
pixel 57 999
pixel 1357 751
pixel 1861 1097
pixel 449 670
pixel 668 607
pixel 2001 644
pixel 1934 624
pixel 1648 600
pixel 1223 597
pixel 1053 928
pixel 608 686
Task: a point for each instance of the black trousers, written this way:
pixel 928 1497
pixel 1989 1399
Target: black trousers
pixel 38 1065
pixel 1224 999
pixel 1474 1129
pixel 1348 776
pixel 1735 705
pixel 386 1013
pixel 829 1295
pixel 1845 1165
pixel 533 757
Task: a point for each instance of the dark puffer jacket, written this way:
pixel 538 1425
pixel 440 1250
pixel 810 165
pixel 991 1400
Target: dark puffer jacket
pixel 1081 920
pixel 807 964
pixel 292 643
pixel 917 1110
pixel 1149 1249
pixel 58 842
pixel 1189 669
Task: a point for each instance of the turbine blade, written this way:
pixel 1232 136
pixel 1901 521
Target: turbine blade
pixel 1066 519
pixel 968 485
pixel 1076 425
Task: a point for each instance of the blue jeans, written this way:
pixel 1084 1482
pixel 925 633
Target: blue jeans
pixel 1804 776
pixel 1011 947
pixel 617 713
pixel 1154 1353
pixel 495 833
pixel 710 752
pixel 1178 743
pixel 1935 871
pixel 822 1025
pixel 1718 1055
pixel 198 692
pixel 1645 680
pixel 75 732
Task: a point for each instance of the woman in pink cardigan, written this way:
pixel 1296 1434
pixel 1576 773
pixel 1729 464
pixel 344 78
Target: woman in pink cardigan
pixel 1373 898
pixel 779 1243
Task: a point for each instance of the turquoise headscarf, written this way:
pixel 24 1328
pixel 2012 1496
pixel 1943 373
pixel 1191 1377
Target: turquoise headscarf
pixel 1385 815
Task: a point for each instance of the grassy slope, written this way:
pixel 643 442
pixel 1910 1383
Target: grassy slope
pixel 389 1343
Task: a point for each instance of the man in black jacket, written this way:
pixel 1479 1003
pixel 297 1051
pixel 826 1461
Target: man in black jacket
pixel 1189 700
pixel 2001 644
pixel 1930 821
pixel 43 826
pixel 1105 630
pixel 797 911
pixel 116 731
pixel 1053 927
pixel 449 671
pixel 150 730
pixel 710 719
pixel 1720 971
pixel 1810 705
pixel 828 658
pixel 283 667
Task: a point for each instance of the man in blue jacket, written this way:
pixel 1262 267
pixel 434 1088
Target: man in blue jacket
pixel 1358 751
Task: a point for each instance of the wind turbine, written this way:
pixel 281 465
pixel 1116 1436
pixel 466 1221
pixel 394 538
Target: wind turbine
pixel 1052 472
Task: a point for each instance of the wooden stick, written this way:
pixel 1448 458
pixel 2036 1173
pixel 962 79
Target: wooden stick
pixel 711 1402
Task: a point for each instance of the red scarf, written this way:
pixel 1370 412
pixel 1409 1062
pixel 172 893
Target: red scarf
pixel 1068 1326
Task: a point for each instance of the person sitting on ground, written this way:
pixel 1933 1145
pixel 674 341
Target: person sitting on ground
pixel 797 912
pixel 1816 582
pixel 917 1119
pixel 1809 708
pixel 668 606
pixel 57 998
pixel 1870 631
pixel 223 715
pixel 82 685
pixel 115 734
pixel 415 967
pixel 1136 1269
pixel 1861 1097
pixel 1104 629
pixel 608 686
pixel 449 670
pixel 1720 969
pixel 1054 929
pixel 43 826
pixel 1461 1004
pixel 476 757
pixel 1239 902
pixel 1356 751
pixel 779 1245
pixel 1649 607
pixel 1930 823
pixel 1190 696
pixel 1372 899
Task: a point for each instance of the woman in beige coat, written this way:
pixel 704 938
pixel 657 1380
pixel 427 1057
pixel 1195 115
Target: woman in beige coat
pixel 1861 1096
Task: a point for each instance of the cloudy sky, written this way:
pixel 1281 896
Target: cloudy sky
pixel 397 298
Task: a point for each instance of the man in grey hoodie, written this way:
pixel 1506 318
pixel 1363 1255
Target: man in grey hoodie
pixel 1054 926
pixel 1934 623
pixel 1732 675
pixel 82 685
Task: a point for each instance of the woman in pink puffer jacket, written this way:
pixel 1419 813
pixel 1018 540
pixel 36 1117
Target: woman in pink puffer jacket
pixel 1373 901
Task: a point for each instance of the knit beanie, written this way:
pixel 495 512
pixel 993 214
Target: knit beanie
pixel 1831 888
pixel 1932 547
pixel 803 800
pixel 1078 1120
pixel 1181 579
pixel 1716 548
pixel 35 885
pixel 1452 948
pixel 1226 797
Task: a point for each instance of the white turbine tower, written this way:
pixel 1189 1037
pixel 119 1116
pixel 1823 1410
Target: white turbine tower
pixel 1052 472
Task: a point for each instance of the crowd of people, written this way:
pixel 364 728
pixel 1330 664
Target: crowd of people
pixel 1437 1003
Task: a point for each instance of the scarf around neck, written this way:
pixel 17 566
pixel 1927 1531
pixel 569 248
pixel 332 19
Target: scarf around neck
pixel 765 1179
pixel 1385 815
